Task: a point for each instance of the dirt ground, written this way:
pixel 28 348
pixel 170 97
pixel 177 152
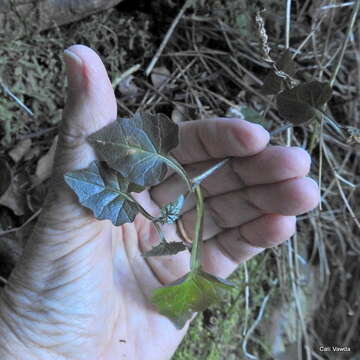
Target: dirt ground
pixel 292 299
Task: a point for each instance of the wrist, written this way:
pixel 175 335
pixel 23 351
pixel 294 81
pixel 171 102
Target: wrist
pixel 15 342
pixel 9 346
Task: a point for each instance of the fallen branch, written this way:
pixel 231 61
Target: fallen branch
pixel 19 17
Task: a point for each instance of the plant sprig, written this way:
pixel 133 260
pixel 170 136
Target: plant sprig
pixel 135 154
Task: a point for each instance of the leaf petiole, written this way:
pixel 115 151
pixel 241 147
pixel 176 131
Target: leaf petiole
pixel 160 232
pixel 322 115
pixel 140 208
pixel 173 163
pixel 153 219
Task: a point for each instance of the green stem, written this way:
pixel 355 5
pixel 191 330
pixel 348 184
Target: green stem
pixel 140 208
pixel 160 232
pixel 197 242
pixel 174 164
pixel 153 219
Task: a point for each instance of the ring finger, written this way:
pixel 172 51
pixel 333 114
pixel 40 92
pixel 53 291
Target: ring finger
pixel 289 198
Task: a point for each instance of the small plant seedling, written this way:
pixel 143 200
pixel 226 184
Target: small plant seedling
pixel 297 103
pixel 135 154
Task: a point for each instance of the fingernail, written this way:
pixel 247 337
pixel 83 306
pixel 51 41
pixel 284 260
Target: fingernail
pixel 74 70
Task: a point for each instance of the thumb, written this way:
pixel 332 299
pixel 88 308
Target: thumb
pixel 65 231
pixel 90 105
pixel 60 280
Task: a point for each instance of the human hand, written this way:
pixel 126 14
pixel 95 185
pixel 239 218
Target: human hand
pixel 80 289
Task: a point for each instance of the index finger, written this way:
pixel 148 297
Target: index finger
pixel 203 140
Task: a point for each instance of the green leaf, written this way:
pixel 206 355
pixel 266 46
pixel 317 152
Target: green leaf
pixel 171 212
pixel 301 104
pixel 194 292
pixel 253 116
pixel 165 248
pixel 138 147
pixel 273 84
pixel 246 113
pixel 105 192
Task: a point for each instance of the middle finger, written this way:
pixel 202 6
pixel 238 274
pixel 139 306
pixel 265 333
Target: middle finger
pixel 274 164
pixel 233 209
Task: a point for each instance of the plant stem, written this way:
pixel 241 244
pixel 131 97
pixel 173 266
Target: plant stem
pixel 153 219
pixel 160 232
pixel 174 164
pixel 197 242
pixel 140 208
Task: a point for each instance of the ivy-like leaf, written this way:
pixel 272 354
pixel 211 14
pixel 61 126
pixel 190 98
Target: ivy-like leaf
pixel 300 104
pixel 194 292
pixel 105 192
pixel 252 115
pixel 273 84
pixel 171 212
pixel 165 248
pixel 246 113
pixel 138 147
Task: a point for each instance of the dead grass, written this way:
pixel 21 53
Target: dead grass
pixel 215 61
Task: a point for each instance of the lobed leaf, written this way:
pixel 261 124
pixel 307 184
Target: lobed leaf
pixel 137 147
pixel 165 248
pixel 273 84
pixel 194 292
pixel 246 113
pixel 300 104
pixel 105 192
pixel 252 115
pixel 171 212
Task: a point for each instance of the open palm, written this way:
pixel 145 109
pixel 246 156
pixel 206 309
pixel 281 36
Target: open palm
pixel 80 290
